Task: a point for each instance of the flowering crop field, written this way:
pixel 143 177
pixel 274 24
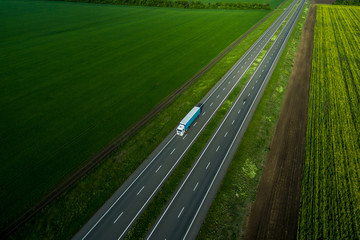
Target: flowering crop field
pixel 330 204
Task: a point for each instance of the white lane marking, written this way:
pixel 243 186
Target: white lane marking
pixel 265 65
pixel 238 71
pixel 245 62
pixel 229 81
pixel 239 111
pixel 207 165
pixel 158 169
pixel 140 191
pixel 128 188
pixel 249 94
pixel 195 124
pixel 226 134
pixel 244 102
pixel 203 113
pixel 256 81
pixel 176 194
pixel 195 186
pixel 218 96
pixel 232 122
pixel 234 76
pixel 223 89
pixel 181 212
pixel 253 87
pixel 172 151
pixel 262 70
pixel 242 66
pixel 218 148
pixel 211 104
pixel 118 217
pixel 185 136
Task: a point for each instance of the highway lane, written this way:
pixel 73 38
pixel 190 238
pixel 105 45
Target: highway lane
pixel 119 213
pixel 186 210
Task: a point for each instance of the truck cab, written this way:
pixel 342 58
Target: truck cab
pixel 180 130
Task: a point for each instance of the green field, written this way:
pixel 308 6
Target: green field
pixel 330 204
pixel 74 76
pixel 273 3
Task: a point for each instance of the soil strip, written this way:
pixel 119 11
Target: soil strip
pixel 274 213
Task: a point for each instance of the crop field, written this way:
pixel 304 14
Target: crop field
pixel 74 76
pixel 273 3
pixel 330 204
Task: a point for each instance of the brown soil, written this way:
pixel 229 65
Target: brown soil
pixel 274 213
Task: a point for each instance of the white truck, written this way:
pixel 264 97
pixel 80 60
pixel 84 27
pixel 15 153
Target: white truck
pixel 188 120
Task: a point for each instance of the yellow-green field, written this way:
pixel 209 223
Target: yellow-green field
pixel 330 205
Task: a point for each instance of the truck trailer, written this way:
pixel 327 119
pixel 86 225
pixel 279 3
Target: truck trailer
pixel 188 120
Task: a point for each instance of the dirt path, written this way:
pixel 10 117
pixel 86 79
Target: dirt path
pixel 274 213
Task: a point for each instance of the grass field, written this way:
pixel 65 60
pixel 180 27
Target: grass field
pixel 330 205
pixel 273 3
pixel 74 76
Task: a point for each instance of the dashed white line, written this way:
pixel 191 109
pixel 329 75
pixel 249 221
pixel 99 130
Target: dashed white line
pixel 256 81
pixel 158 169
pixel 233 76
pixel 253 87
pixel 207 165
pixel 239 111
pixel 249 94
pixel 262 70
pixel 185 136
pixel 118 217
pixel 238 71
pixel 218 96
pixel 140 191
pixel 181 212
pixel 229 81
pixel 195 186
pixel 195 124
pixel 218 148
pixel 172 151
pixel 226 134
pixel 232 122
pixel 244 102
pixel 223 89
pixel 203 113
pixel 211 104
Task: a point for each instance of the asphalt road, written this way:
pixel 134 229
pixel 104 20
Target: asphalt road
pixel 118 214
pixel 187 209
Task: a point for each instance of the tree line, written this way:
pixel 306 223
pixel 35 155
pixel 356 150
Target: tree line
pixel 181 4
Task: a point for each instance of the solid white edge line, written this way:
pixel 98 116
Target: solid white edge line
pixel 225 77
pixel 128 187
pixel 192 169
pixel 231 145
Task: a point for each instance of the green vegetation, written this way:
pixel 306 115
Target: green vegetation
pixel 181 4
pixel 330 204
pixel 74 76
pixel 273 3
pixel 63 217
pixel 226 218
pixel 347 2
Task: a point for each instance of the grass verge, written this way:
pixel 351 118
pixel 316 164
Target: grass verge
pixel 63 218
pixel 226 218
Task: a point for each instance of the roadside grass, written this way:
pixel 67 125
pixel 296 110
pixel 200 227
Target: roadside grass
pixel 149 216
pixel 62 218
pixel 227 215
pixel 74 76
